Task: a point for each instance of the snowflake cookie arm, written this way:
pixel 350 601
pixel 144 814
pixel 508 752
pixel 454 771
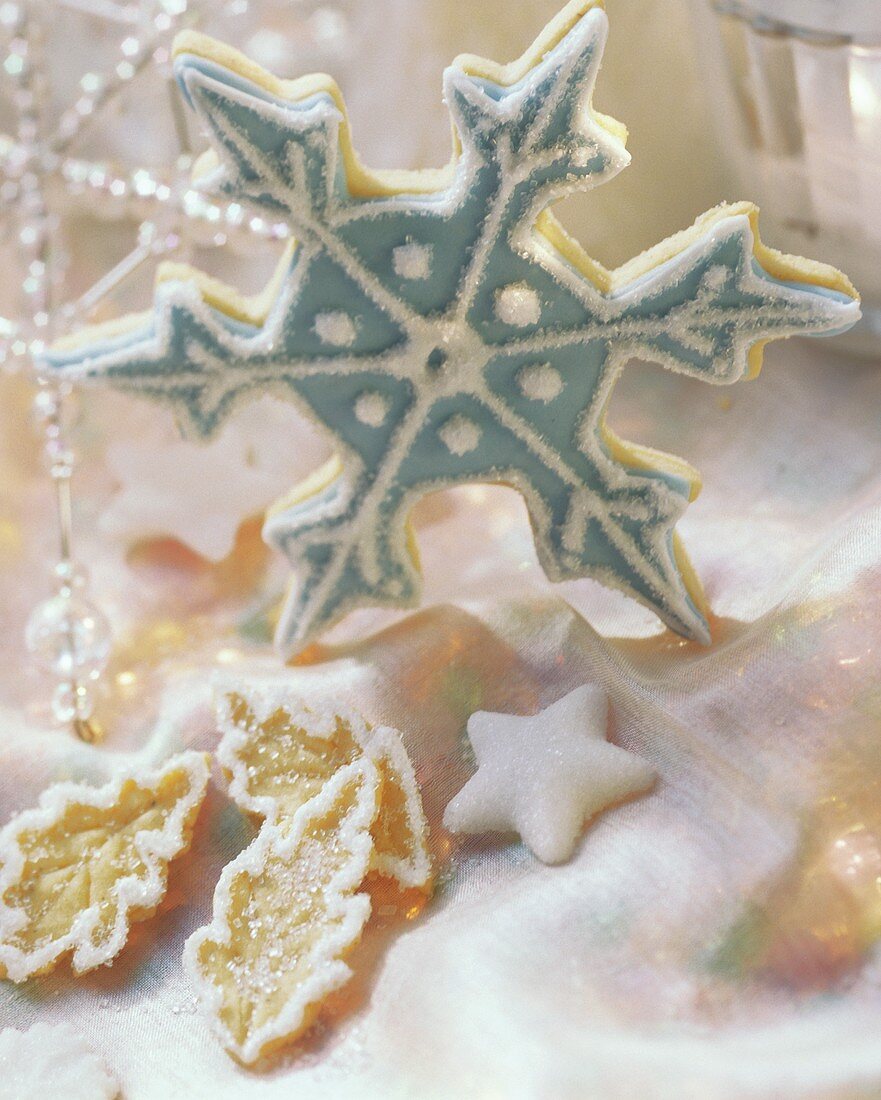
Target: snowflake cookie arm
pixel 373 294
pixel 77 870
pixel 286 913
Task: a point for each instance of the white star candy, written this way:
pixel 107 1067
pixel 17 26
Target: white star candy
pixel 544 776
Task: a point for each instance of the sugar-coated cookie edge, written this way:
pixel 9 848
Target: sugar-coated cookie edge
pixel 298 1013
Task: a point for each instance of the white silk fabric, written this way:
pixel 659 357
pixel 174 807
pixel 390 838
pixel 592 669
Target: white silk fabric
pixel 715 937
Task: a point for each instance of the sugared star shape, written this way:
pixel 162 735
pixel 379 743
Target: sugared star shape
pixel 444 329
pixel 545 776
pixel 200 495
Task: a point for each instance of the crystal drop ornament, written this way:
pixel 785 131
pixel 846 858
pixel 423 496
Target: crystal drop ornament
pixel 72 703
pixel 67 634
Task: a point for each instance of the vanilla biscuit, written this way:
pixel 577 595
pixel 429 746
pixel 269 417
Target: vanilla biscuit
pixel 87 862
pixel 287 911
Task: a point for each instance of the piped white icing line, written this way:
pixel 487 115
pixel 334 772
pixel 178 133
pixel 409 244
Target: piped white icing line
pixel 51 1062
pixel 328 971
pixel 156 848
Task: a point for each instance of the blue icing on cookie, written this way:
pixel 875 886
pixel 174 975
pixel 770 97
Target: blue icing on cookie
pixel 445 336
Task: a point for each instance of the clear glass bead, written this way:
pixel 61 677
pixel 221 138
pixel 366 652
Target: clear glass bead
pixel 73 701
pixel 68 635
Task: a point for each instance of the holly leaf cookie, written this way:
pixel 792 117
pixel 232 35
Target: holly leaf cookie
pixel 279 754
pixel 87 862
pixel 338 801
pixel 287 911
pixel 443 328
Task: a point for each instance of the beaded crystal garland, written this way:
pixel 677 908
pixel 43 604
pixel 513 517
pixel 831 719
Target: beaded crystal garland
pixel 43 183
pixel 444 328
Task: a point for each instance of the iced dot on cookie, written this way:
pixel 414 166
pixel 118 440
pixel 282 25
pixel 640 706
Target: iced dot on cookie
pixel 459 435
pixel 715 278
pixel 335 327
pixel 518 304
pixel 540 382
pixel 412 260
pixel 371 408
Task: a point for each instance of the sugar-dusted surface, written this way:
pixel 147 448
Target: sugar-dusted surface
pixel 336 799
pixel 543 777
pixel 51 1061
pixel 279 753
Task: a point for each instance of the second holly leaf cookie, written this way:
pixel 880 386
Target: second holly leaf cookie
pixel 286 913
pixel 279 753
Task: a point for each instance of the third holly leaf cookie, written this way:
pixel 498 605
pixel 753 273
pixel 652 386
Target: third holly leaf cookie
pixel 443 328
pixel 338 802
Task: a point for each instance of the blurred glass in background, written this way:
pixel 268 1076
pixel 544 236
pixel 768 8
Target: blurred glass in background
pixel 778 101
pixel 795 86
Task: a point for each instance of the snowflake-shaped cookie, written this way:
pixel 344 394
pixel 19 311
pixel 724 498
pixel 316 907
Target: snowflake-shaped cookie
pixel 444 329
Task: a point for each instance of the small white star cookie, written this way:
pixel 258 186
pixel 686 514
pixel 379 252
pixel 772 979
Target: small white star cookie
pixel 544 776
